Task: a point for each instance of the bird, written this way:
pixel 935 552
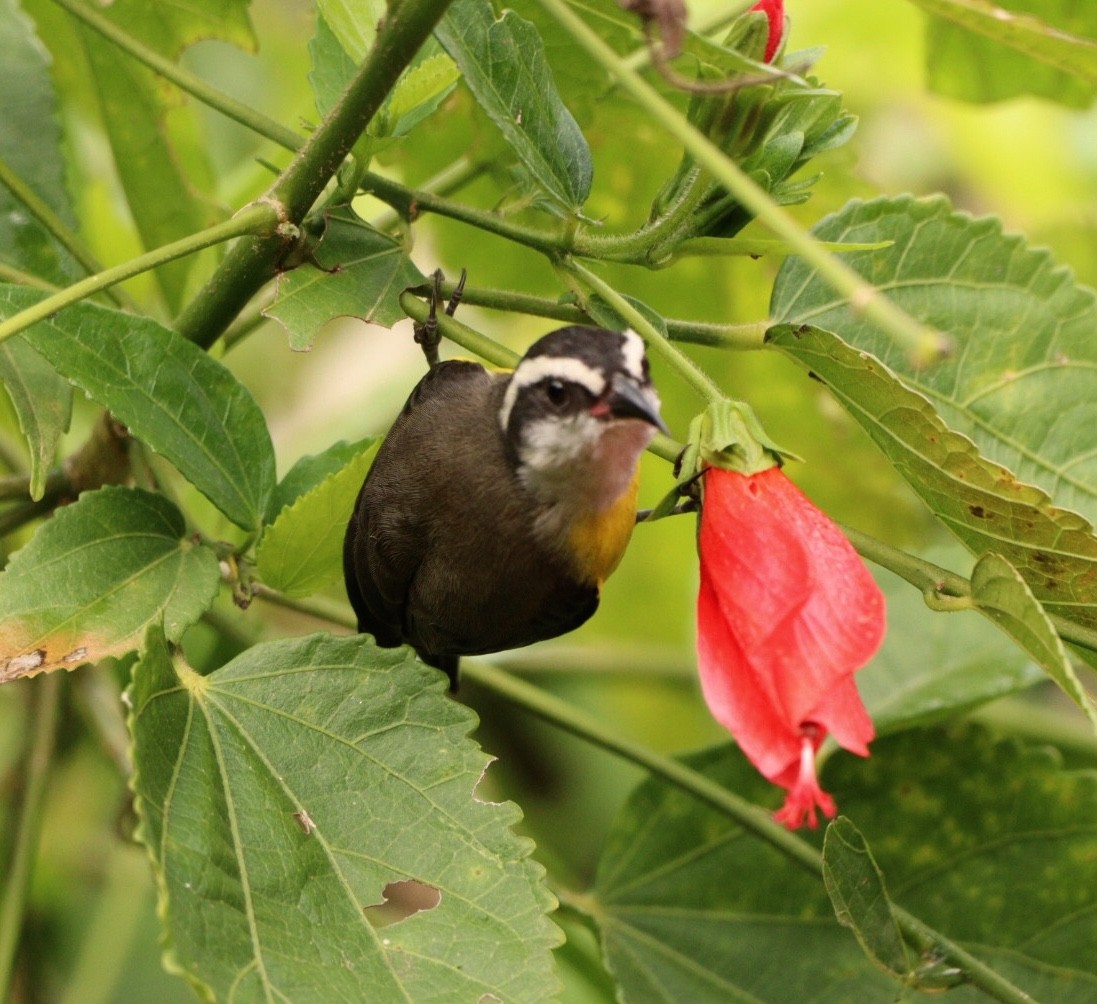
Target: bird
pixel 499 502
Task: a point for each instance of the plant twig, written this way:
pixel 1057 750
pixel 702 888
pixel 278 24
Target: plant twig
pixel 258 217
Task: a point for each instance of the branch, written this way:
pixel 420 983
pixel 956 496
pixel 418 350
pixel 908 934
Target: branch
pixel 251 263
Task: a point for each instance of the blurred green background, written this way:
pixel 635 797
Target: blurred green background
pixel 1034 164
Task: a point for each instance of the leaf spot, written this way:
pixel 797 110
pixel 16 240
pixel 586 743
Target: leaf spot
pixel 76 655
pixel 28 662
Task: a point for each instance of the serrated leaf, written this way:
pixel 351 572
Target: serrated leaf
pixel 301 552
pixel 1022 380
pixel 1002 594
pixel 984 504
pixel 170 394
pixel 856 888
pixel 287 794
pixel 992 845
pixel 30 145
pixel 43 404
pixel 310 470
pixel 95 576
pixel 503 63
pixel 983 51
pixel 369 272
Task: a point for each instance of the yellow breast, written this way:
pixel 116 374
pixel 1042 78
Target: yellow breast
pixel 598 541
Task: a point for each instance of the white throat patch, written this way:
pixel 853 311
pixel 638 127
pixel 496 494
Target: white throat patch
pixel 566 368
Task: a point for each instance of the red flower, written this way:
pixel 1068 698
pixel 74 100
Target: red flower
pixel 775 11
pixel 787 612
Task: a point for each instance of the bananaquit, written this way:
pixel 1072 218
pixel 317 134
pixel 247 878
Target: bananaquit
pixel 499 502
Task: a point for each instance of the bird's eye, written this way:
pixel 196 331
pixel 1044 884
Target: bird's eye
pixel 557 392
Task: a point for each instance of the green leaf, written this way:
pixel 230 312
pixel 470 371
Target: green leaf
pixel 933 666
pixel 981 502
pixel 353 23
pixel 856 888
pixel 503 63
pixel 1022 381
pixel 30 146
pixel 162 162
pixel 369 271
pixel 43 404
pixel 992 844
pixel 419 91
pixel 309 471
pixel 1001 594
pixel 287 795
pixel 330 66
pixel 170 394
pixel 301 552
pixel 983 51
pixel 95 576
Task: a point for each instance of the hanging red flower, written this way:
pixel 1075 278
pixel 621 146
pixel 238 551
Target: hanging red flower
pixel 775 11
pixel 787 612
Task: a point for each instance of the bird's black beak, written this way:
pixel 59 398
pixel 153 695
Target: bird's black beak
pixel 627 399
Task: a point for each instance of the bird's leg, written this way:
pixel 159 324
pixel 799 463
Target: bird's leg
pixel 426 332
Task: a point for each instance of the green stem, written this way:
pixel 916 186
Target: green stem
pixel 940 586
pixel 45 704
pixel 182 78
pixel 924 344
pixel 259 216
pixel 450 179
pixel 251 263
pixel 723 336
pixel 558 712
pixel 45 215
pixel 409 203
pixel 689 371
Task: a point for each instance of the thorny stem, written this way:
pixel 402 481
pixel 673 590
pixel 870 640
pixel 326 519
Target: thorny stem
pixel 922 343
pixel 45 705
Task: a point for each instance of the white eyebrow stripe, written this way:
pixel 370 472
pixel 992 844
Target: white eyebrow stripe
pixel 531 371
pixel 632 353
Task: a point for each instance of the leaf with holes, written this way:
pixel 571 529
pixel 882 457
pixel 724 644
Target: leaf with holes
pixel 366 273
pixel 170 394
pixel 288 795
pixel 95 576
